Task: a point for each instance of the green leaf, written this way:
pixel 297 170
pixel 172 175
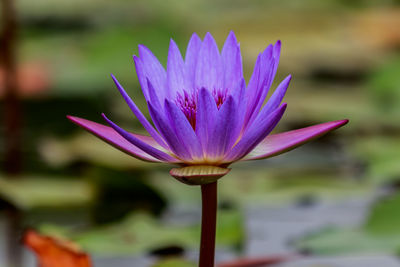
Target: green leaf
pixel 34 192
pixel 384 218
pixel 174 262
pixel 348 241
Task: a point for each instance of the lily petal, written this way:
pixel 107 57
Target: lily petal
pixel 239 95
pixel 153 96
pixel 225 125
pixel 176 72
pixel 277 97
pixel 110 136
pixel 139 115
pixel 158 154
pixel 232 61
pixel 191 57
pixel 263 125
pixel 258 88
pixel 164 127
pixel 206 112
pixel 276 55
pixel 148 66
pixel 280 143
pixel 209 66
pixel 183 130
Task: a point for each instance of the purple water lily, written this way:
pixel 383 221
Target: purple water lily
pixel 205 118
pixel 203 112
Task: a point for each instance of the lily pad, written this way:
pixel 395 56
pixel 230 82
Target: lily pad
pixel 348 241
pixel 174 262
pixel 30 192
pixel 141 233
pixel 380 234
pixel 384 218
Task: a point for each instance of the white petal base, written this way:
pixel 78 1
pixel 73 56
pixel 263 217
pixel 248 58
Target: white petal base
pixel 198 174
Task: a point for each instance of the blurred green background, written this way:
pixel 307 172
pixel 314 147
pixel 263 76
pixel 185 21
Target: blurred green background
pixel 344 57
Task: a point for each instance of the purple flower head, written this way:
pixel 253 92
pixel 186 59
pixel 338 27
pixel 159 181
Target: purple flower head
pixel 203 113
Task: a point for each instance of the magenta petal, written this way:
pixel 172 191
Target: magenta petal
pixel 158 154
pixel 110 136
pixel 208 73
pixel 279 143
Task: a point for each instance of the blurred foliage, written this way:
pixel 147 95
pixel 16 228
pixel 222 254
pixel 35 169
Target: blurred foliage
pixel 381 155
pixel 348 241
pixel 273 186
pixel 120 193
pixel 141 233
pixel 385 217
pixel 40 192
pixel 174 262
pixel 380 234
pixel 384 85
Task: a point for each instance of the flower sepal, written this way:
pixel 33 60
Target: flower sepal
pixel 198 174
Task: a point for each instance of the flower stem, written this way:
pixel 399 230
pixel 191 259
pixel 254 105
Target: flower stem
pixel 208 224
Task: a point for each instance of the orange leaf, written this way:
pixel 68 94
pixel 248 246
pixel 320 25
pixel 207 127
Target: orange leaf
pixel 52 252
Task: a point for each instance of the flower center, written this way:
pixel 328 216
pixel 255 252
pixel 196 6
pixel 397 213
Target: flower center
pixel 188 103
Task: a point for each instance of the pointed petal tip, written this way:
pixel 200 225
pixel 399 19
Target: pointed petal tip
pixel 277 49
pixel 172 42
pixel 136 61
pixel 286 81
pixel 78 121
pixel 195 36
pixel 232 36
pixel 208 38
pixel 114 79
pixel 105 117
pixel 143 49
pixel 340 123
pixel 208 34
pixel 73 119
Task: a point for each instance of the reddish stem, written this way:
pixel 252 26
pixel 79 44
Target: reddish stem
pixel 208 224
